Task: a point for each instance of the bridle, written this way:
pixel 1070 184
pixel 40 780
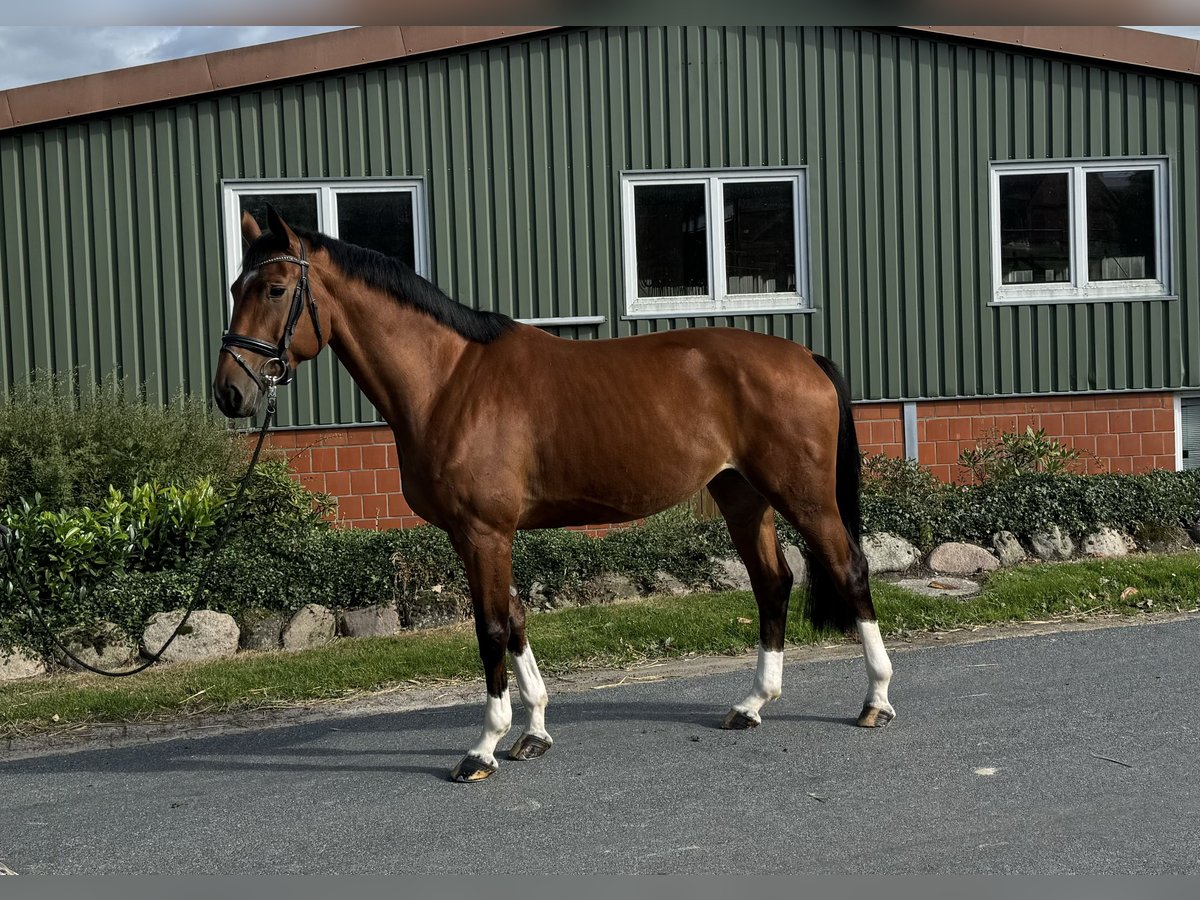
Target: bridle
pixel 282 371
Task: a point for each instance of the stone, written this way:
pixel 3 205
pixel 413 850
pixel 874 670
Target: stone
pixel 265 633
pixel 104 646
pixel 207 635
pixel 312 625
pixel 431 609
pixel 1008 549
pixel 941 586
pixel 956 558
pixel 666 583
pixel 17 664
pixel 794 557
pixel 1106 542
pixel 540 596
pixel 381 620
pixel 888 553
pixel 731 574
pixel 608 587
pixel 1052 544
pixel 1164 539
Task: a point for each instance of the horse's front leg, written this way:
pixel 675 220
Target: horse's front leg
pixel 487 556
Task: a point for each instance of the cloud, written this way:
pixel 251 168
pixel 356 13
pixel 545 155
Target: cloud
pixel 30 54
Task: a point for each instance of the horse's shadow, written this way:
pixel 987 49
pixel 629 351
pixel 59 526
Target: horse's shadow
pixel 304 747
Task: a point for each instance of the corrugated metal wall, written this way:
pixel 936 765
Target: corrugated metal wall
pixel 112 245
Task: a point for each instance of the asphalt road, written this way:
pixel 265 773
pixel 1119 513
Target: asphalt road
pixel 996 763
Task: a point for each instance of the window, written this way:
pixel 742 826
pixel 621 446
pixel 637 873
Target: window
pixel 1189 433
pixel 385 215
pixel 681 258
pixel 1071 231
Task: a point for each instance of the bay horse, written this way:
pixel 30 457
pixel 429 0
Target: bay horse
pixel 501 426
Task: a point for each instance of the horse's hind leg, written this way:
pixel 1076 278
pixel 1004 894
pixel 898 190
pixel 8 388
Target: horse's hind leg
pixel 751 525
pixel 840 595
pixel 535 739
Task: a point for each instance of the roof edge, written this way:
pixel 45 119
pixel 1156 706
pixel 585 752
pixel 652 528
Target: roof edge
pixel 1107 43
pixel 224 70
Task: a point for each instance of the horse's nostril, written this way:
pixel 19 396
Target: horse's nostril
pixel 231 397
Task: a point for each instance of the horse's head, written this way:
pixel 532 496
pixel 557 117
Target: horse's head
pixel 276 324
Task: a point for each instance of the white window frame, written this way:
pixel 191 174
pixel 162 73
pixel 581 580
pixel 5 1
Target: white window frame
pixel 718 301
pixel 326 191
pixel 1079 288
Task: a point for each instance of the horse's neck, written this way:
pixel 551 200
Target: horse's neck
pixel 399 357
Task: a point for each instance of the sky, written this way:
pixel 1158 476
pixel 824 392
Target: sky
pixel 30 54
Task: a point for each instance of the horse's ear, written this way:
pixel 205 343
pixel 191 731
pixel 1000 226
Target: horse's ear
pixel 277 226
pixel 250 229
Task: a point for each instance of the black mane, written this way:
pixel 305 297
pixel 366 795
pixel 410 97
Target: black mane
pixel 394 278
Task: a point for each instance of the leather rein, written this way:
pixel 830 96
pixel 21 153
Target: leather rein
pixel 277 354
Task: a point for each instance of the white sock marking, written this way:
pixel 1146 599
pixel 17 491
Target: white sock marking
pixel 768 683
pixel 497 720
pixel 533 691
pixel 879 667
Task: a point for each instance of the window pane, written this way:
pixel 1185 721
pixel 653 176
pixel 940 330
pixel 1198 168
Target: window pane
pixel 1120 226
pixel 298 210
pixel 1035 241
pixel 671 230
pixel 380 220
pixel 1189 421
pixel 760 238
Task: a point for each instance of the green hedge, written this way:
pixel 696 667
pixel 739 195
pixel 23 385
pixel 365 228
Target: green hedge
pixel 1031 503
pixel 70 443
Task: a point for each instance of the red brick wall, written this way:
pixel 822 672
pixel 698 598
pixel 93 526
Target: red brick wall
pixel 1125 432
pixel 880 428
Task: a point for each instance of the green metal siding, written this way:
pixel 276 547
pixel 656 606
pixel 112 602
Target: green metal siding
pixel 111 229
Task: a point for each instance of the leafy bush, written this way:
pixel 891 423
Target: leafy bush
pixel 62 555
pixel 1011 454
pixel 69 443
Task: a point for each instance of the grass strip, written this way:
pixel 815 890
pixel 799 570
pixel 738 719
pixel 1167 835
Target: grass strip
pixel 611 635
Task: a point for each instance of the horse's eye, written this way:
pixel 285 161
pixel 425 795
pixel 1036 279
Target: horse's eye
pixel 277 291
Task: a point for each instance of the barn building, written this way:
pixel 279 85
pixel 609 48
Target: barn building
pixel 986 227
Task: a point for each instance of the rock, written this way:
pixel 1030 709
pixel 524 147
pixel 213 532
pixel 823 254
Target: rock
pixel 666 583
pixel 430 609
pixel 941 586
pixel 1052 544
pixel 608 587
pixel 797 563
pixel 104 646
pixel 888 553
pixel 1106 542
pixel 955 558
pixel 540 596
pixel 373 621
pixel 312 625
pixel 1164 539
pixel 1008 548
pixel 731 574
pixel 17 664
pixel 264 634
pixel 207 635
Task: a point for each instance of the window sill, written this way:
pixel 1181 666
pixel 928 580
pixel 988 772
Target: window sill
pixel 1070 301
pixel 717 313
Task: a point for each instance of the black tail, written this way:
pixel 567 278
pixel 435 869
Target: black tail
pixel 825 606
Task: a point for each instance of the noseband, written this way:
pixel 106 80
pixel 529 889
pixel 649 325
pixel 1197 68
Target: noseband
pixel 282 371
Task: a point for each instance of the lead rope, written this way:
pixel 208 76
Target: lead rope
pixel 197 594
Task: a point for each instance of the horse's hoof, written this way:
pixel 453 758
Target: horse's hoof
pixel 874 717
pixel 529 746
pixel 472 768
pixel 736 720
